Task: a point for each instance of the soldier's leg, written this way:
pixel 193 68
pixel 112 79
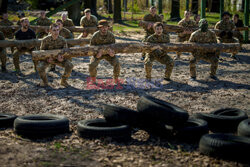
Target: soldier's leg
pixel 41 68
pixel 68 66
pixel 192 66
pixel 3 60
pixel 16 55
pixel 143 54
pixel 92 67
pixel 116 67
pixel 214 60
pixel 233 40
pixel 148 63
pixel 168 61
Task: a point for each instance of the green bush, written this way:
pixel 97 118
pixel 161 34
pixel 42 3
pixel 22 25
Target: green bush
pixel 34 4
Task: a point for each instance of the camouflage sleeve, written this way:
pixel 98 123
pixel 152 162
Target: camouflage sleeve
pixel 180 23
pixel 65 43
pixel 81 21
pixel 94 40
pixel 146 18
pixel 71 23
pixel 44 45
pixel 217 26
pixel 112 38
pixel 213 36
pixel 192 38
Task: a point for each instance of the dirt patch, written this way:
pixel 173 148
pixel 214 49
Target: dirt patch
pixel 22 96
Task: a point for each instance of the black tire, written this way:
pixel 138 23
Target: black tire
pixel 120 115
pixel 244 128
pixel 223 120
pixel 155 110
pixel 225 146
pixel 39 126
pixel 6 120
pixel 192 130
pixel 96 128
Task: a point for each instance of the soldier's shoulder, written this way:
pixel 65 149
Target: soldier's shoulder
pixel 195 33
pixel 181 21
pixel 97 33
pixel 110 33
pixel 219 22
pixel 65 29
pixel 211 32
pixel 69 20
pixel 61 38
pixel 47 38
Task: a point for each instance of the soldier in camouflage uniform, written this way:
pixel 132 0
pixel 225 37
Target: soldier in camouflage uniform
pixel 66 21
pixel 203 35
pixel 3 54
pixel 102 37
pixel 8 33
pixel 238 23
pixel 186 23
pixel 43 21
pixel 87 20
pixel 159 55
pixel 54 41
pixel 227 26
pixel 152 17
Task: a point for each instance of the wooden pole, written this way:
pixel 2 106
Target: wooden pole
pixel 37 42
pixel 246 19
pixel 135 48
pixel 203 9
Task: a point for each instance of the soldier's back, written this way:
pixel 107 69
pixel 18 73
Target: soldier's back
pixel 201 37
pixel 48 43
pixel 163 38
pixel 99 39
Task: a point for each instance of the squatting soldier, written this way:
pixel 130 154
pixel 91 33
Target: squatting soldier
pixel 203 35
pixel 66 21
pixel 227 26
pixel 238 23
pixel 65 33
pixel 8 33
pixel 3 54
pixel 151 17
pixel 159 55
pixel 54 41
pixel 88 20
pixel 43 21
pixel 25 33
pixel 186 23
pixel 102 37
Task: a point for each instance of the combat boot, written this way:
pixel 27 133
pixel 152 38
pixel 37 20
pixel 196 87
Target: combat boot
pixel 64 82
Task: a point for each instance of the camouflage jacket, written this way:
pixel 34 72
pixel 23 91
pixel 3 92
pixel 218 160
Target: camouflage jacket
pixel 98 39
pixel 92 22
pixel 225 26
pixel 164 38
pixel 151 18
pixel 48 43
pixel 8 33
pixel 65 33
pixel 68 23
pixel 43 22
pixel 186 24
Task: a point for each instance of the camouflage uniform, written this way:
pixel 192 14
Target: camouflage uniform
pixel 92 22
pixel 8 33
pixel 211 57
pixel 226 26
pixel 43 22
pixel 68 23
pixel 65 33
pixel 3 53
pixel 159 55
pixel 48 43
pixel 150 18
pixel 98 39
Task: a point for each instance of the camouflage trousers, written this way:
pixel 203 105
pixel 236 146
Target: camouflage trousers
pixel 212 58
pixel 17 53
pixel 43 65
pixel 112 60
pixel 164 59
pixel 144 39
pixel 3 57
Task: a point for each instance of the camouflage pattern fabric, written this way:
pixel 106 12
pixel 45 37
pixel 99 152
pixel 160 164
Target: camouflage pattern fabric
pixel 65 33
pixel 185 24
pixel 43 22
pixel 210 57
pixel 99 39
pixel 3 57
pixel 8 33
pixel 92 22
pixel 68 23
pixel 159 55
pixel 17 53
pixel 48 43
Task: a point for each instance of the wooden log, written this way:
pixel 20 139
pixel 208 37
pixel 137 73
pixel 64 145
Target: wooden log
pixel 135 47
pixel 37 42
pixel 178 29
pixel 90 30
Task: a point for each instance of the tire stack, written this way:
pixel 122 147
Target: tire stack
pixel 223 143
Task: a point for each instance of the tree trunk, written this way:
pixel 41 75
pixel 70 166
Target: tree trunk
pixel 175 10
pixel 37 42
pixel 3 6
pixel 108 6
pixel 74 13
pixel 117 11
pixel 125 5
pixel 135 48
pixel 147 5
